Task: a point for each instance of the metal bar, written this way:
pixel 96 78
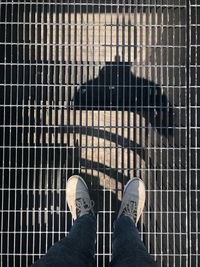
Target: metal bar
pixel 160 140
pixel 188 163
pixel 117 100
pixel 136 35
pixel 111 85
pixel 167 161
pixel 98 143
pixel 104 153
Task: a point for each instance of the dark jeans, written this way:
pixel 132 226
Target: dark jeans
pixel 78 248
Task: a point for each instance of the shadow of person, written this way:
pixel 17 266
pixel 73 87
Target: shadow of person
pixel 116 87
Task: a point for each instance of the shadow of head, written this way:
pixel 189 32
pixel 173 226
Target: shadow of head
pixel 117 88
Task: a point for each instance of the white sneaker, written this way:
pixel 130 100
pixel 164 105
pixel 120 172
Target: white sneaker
pixel 78 197
pixel 133 199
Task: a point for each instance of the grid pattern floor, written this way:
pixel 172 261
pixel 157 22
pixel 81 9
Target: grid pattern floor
pixel 109 90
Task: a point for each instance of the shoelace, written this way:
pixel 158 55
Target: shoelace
pixel 131 210
pixel 84 205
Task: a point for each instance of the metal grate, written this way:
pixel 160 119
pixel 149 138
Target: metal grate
pixel 108 89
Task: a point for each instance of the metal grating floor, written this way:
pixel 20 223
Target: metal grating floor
pixel 108 89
